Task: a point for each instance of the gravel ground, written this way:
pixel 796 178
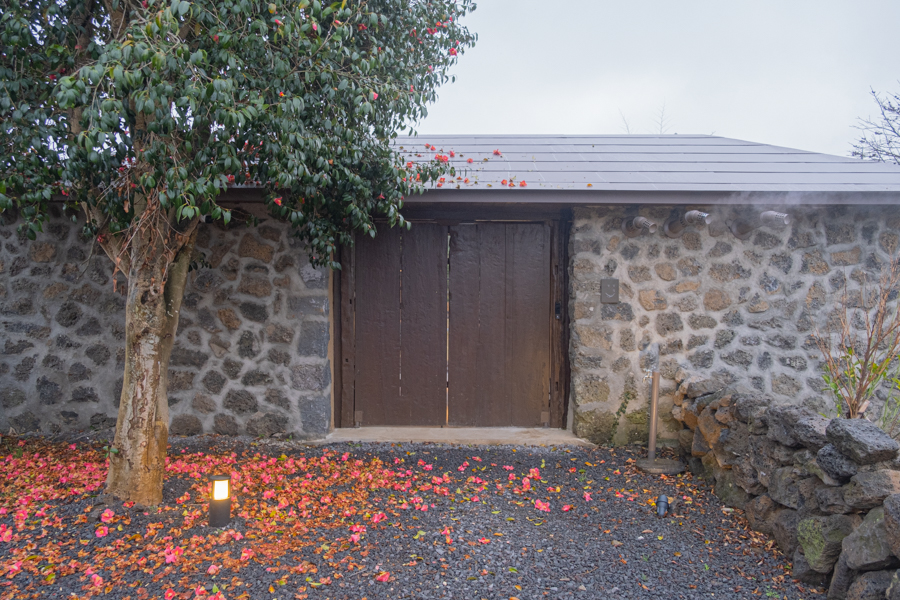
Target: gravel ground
pixel 482 534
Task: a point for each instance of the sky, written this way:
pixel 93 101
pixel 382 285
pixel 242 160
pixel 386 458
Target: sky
pixel 794 73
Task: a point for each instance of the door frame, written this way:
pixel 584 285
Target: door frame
pixel 344 313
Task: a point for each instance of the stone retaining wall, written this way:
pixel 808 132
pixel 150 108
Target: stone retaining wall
pixel 827 491
pixel 726 310
pixel 251 355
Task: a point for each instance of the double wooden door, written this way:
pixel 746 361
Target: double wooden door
pixel 450 325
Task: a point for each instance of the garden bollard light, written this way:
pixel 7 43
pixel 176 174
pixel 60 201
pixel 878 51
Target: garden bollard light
pixel 220 501
pixel 662 506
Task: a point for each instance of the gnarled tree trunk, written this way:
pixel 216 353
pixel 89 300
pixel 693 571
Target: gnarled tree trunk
pixel 157 272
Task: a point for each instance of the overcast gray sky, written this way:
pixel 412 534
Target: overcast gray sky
pixel 787 72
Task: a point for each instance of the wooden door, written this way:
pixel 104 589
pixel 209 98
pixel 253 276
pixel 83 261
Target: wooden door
pixel 499 354
pixel 401 327
pixel 452 325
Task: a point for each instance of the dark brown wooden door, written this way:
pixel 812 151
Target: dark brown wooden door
pixel 479 356
pixel 401 326
pixel 499 355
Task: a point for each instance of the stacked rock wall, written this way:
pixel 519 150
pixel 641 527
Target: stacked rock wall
pixel 827 490
pixel 722 309
pixel 251 354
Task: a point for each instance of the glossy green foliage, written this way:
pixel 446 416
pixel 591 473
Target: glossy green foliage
pixel 111 103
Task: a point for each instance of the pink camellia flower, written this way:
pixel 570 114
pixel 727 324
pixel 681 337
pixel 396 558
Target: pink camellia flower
pixel 277 200
pixel 543 506
pixel 567 507
pixel 587 496
pixel 378 517
pixel 212 570
pixel 374 96
pixel 102 531
pixel 383 576
pixel 354 538
pixel 452 51
pixel 200 591
pixel 315 27
pixel 96 580
pixel 247 554
pixel 169 594
pixel 107 516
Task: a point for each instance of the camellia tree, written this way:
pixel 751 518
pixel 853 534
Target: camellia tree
pixel 141 113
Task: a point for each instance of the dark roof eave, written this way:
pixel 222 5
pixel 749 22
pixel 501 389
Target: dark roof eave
pixel 599 197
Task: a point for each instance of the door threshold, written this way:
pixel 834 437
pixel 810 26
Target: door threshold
pixel 478 436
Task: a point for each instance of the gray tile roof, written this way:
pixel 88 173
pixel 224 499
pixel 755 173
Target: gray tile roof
pixel 643 163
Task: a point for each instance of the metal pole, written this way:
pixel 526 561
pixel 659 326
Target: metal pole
pixel 654 410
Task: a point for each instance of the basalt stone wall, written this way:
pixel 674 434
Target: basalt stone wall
pixel 826 490
pixel 251 354
pixel 722 310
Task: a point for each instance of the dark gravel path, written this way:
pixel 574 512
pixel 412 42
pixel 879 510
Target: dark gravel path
pixel 475 540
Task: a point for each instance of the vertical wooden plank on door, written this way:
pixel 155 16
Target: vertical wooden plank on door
pixel 476 356
pixel 337 310
pixel 528 324
pixel 492 375
pixel 423 331
pixel 559 324
pixel 377 324
pixel 462 398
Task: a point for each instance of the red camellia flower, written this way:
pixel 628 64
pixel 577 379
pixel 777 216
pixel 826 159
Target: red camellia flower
pixel 497 153
pixel 470 160
pixel 452 154
pixel 523 184
pixel 452 51
pixel 277 200
pixel 503 182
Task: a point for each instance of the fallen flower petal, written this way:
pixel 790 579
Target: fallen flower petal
pixel 383 576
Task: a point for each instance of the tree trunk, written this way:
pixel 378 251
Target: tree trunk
pixel 156 284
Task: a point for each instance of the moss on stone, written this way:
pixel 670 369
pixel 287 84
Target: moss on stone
pixel 597 426
pixel 809 534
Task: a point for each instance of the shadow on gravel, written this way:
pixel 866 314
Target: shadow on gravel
pixel 374 521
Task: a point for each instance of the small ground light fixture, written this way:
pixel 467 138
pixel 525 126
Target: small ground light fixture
pixel 744 228
pixel 662 506
pixel 674 228
pixel 220 501
pixel 635 226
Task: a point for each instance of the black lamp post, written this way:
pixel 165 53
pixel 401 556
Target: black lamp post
pixel 220 501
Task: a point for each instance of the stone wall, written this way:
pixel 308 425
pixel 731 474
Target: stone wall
pixel 251 355
pixel 720 309
pixel 826 490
